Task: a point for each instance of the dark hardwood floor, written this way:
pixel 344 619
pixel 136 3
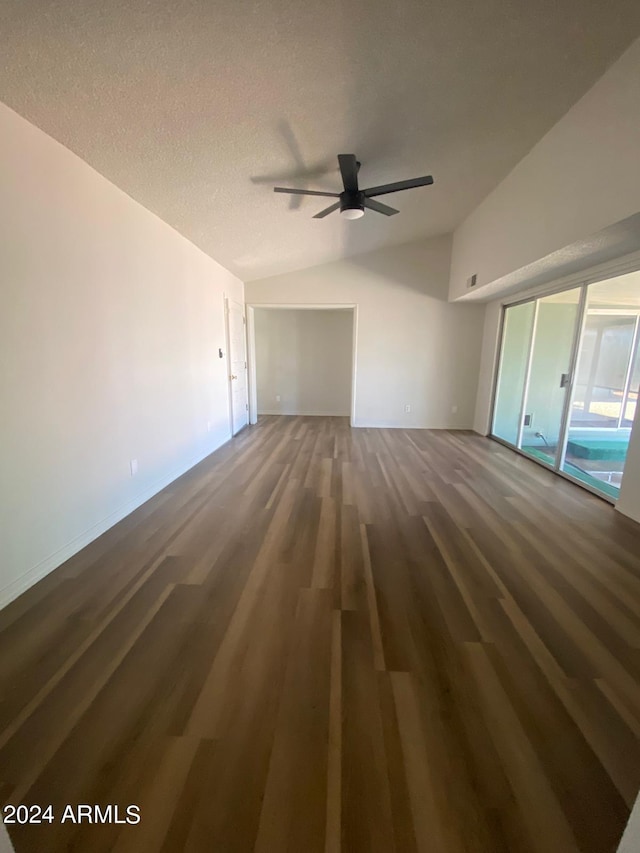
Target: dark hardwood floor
pixel 325 639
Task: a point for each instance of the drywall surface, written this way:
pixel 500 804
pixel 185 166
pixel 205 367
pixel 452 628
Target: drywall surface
pixel 303 361
pixel 630 842
pixel 110 324
pixel 581 178
pixel 413 348
pixel 5 842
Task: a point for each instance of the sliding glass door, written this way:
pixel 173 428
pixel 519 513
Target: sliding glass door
pixel 568 377
pixel 605 392
pixel 531 393
pixel 514 361
pixel 548 381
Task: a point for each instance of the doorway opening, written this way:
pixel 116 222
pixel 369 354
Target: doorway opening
pixel 302 360
pixel 568 380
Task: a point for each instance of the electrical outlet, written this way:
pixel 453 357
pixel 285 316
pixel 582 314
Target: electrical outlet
pixel 208 426
pixel 277 398
pixel 528 420
pixel 407 408
pixel 133 465
pixel 454 409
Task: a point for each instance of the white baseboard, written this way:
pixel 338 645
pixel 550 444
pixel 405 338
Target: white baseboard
pixel 634 516
pixel 41 569
pixel 363 424
pixel 307 414
pixel 378 425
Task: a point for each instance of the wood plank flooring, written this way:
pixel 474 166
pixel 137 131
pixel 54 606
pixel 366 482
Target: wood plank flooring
pixel 323 639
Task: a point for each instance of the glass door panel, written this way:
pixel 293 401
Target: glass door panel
pixel 606 389
pixel 631 402
pixel 602 372
pixel 549 374
pixel 514 357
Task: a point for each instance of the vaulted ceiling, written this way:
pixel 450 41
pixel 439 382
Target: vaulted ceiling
pixel 196 108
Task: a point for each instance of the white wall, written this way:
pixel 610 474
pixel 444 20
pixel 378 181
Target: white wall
pixel 5 842
pixel 630 842
pixel 304 357
pixel 581 178
pixel 629 500
pixel 412 346
pixel 110 324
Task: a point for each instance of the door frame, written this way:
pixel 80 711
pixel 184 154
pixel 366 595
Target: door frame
pixel 226 300
pixel 295 306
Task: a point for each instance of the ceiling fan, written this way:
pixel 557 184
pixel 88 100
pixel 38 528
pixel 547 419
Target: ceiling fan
pixel 352 201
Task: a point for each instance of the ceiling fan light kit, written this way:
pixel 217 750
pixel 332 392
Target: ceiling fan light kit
pixel 352 208
pixel 353 201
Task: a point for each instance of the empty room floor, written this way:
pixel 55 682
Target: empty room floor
pixel 325 639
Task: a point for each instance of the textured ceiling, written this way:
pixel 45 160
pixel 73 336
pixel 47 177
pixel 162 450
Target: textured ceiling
pixel 195 107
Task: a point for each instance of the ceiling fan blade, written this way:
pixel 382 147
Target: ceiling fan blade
pixel 399 185
pixel 327 211
pixel 349 172
pixel 380 208
pixel 305 192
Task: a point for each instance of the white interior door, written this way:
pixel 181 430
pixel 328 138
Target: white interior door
pixel 237 365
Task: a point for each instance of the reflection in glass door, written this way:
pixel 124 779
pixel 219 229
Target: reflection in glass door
pixel 514 361
pixel 568 380
pixel 605 391
pixel 535 363
pixel 549 373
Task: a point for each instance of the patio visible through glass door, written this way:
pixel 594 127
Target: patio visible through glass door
pixel 605 393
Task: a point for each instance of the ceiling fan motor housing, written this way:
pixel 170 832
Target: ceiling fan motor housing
pixel 351 201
